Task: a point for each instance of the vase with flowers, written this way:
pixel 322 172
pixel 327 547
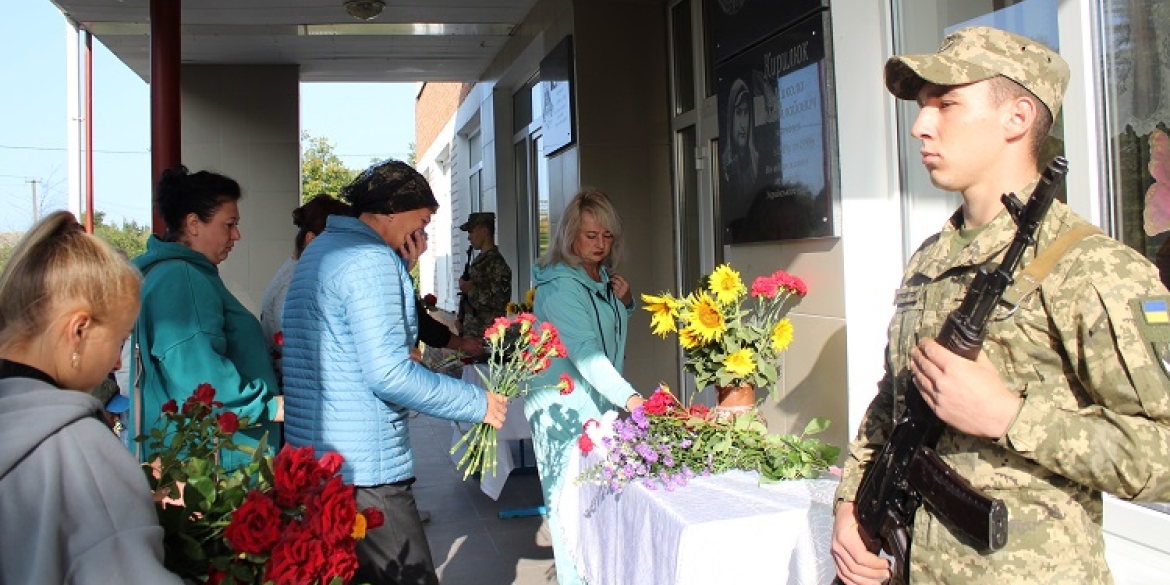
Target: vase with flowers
pixel 283 520
pixel 729 343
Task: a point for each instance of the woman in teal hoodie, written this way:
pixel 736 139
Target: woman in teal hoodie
pixel 578 291
pixel 191 329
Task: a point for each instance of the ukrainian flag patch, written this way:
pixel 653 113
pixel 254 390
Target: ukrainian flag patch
pixel 1155 312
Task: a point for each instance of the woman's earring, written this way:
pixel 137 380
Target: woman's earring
pixel 73 361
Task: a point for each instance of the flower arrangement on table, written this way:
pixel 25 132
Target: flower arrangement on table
pixel 289 519
pixel 726 343
pixel 518 349
pixel 524 307
pixel 663 443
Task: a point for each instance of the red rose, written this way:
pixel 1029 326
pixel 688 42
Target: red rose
pixel 215 576
pixel 374 518
pixel 585 444
pixel 170 406
pixel 295 472
pixel 655 405
pixel 255 525
pixel 330 513
pixel 331 463
pixel 341 562
pixel 204 394
pixel 228 422
pixel 700 410
pixel 430 300
pixel 298 558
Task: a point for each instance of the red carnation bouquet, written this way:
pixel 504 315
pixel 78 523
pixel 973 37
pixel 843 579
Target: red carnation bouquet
pixel 519 349
pixel 289 519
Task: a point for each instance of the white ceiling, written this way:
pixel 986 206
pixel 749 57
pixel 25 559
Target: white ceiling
pixel 318 35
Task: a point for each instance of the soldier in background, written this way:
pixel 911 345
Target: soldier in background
pixel 1069 396
pixel 487 286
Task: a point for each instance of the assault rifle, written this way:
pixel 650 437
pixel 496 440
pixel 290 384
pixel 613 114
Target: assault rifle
pixel 464 304
pixel 907 472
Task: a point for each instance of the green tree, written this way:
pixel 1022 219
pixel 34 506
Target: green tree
pixel 322 171
pixel 412 155
pixel 130 237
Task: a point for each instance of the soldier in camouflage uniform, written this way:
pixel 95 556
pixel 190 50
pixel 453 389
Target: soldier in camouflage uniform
pixel 1069 397
pixel 488 286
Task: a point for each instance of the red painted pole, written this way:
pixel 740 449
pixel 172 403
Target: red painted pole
pixel 89 132
pixel 165 119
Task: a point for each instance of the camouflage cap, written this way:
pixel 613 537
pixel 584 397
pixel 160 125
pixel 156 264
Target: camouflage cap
pixel 390 186
pixel 978 53
pixel 482 217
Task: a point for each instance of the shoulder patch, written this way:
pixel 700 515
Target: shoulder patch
pixel 1152 317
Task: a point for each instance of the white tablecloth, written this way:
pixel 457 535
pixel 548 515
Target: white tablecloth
pixel 718 529
pixel 515 428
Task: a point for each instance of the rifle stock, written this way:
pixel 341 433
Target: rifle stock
pixel 907 472
pixel 464 305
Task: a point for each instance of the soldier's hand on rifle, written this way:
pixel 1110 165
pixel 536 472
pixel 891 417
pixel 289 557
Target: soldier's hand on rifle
pixel 497 409
pixel 855 564
pixel 969 396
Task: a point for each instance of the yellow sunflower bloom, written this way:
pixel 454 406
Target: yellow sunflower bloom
pixel 726 285
pixel 687 338
pixel 704 318
pixel 530 297
pixel 663 309
pixel 782 335
pixel 740 363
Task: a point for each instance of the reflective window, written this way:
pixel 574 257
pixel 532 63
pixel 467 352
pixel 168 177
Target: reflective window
pixel 920 28
pixel 682 47
pixel 1135 63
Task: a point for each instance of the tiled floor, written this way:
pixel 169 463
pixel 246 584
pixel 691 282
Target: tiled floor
pixel 470 543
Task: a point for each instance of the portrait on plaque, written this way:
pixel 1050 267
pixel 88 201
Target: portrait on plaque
pixel 777 167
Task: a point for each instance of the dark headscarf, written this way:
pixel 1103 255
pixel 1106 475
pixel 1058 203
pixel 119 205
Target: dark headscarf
pixel 390 186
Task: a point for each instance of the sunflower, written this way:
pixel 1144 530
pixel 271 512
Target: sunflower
pixel 530 297
pixel 687 338
pixel 704 319
pixel 726 285
pixel 740 363
pixel 663 310
pixel 782 335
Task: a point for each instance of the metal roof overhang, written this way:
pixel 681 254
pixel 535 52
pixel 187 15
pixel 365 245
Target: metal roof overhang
pixel 419 40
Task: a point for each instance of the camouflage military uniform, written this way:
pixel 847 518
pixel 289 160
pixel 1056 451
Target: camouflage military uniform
pixel 491 289
pixel 1095 416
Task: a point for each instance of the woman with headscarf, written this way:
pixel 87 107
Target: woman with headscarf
pixel 740 161
pixel 349 324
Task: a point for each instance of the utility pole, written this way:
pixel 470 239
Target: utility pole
pixel 34 182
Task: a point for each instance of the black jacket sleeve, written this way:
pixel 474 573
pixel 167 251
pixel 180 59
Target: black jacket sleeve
pixel 430 330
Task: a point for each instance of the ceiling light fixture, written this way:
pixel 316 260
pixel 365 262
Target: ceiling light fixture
pixel 364 9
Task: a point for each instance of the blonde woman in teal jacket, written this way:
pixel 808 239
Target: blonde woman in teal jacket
pixel 578 291
pixel 191 329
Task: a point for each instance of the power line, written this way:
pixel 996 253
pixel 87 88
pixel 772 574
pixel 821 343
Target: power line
pixel 63 149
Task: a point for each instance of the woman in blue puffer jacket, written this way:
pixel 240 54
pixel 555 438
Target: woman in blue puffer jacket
pixel 349 324
pixel 578 291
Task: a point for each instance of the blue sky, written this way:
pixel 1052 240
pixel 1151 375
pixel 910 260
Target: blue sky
pixel 33 121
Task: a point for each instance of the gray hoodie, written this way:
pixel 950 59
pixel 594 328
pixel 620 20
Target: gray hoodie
pixel 74 505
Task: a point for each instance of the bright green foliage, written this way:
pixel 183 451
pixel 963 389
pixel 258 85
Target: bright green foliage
pixel 322 171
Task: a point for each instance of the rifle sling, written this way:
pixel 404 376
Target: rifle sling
pixel 1037 270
